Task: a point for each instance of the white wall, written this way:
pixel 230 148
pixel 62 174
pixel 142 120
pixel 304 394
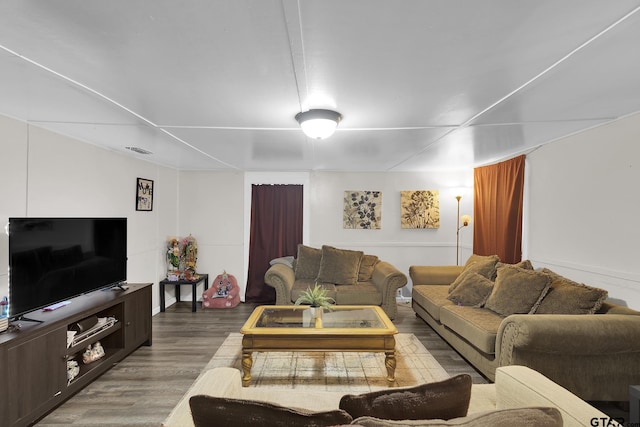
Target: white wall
pixel 46 174
pixel 583 198
pixel 580 219
pixel 210 208
pixel 400 247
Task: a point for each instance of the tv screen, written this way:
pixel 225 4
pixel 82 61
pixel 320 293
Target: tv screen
pixel 54 259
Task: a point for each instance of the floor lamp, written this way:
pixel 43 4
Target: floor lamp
pixel 466 219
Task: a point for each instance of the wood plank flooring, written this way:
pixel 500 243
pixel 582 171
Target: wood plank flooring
pixel 142 389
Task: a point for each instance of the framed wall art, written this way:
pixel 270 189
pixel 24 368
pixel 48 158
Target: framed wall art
pixel 144 194
pixel 420 209
pixel 362 210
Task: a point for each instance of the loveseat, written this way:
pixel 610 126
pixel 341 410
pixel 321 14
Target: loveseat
pixel 351 277
pixel 515 387
pixel 498 314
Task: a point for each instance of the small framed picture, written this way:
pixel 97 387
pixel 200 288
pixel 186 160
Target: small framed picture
pixel 144 194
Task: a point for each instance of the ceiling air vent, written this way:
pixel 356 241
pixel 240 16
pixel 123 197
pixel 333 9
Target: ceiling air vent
pixel 139 150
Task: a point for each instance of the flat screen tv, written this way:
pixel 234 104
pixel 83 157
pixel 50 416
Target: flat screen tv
pixel 54 259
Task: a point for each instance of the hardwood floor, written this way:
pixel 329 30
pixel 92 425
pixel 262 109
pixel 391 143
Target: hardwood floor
pixel 142 389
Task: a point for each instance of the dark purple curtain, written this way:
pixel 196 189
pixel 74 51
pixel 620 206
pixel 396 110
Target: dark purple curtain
pixel 276 231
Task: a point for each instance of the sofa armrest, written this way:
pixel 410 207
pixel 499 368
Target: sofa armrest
pixel 388 279
pixel 281 278
pixel 219 382
pixel 434 274
pixel 519 386
pixel 594 356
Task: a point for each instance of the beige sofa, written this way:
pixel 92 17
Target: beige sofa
pixel 514 387
pixel 351 277
pixel 594 356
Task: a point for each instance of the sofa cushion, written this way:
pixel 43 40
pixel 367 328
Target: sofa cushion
pixel 431 298
pixel 308 262
pixel 210 411
pixel 442 399
pixel 301 285
pixel 339 266
pixel 367 264
pixel 473 289
pixel 485 266
pixel 517 290
pixel 609 307
pixel 526 417
pixel 363 293
pixel 476 325
pixel 568 297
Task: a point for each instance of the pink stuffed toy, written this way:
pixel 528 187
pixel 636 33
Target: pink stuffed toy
pixel 224 293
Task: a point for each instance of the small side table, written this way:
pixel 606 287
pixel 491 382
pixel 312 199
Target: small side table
pixel 194 283
pixel 634 405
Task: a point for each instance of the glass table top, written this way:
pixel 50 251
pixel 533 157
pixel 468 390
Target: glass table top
pixel 341 317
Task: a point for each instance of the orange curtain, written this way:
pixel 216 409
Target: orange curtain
pixel 498 210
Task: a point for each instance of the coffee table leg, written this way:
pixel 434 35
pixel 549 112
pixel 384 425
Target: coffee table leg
pixel 247 362
pixel 390 364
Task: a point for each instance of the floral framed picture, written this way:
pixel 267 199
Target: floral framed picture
pixel 420 209
pixel 144 194
pixel 362 210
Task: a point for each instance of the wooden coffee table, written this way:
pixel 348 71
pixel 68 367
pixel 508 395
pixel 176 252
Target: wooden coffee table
pixel 291 328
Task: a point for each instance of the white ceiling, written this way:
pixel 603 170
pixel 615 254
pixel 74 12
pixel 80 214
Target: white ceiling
pixel 421 84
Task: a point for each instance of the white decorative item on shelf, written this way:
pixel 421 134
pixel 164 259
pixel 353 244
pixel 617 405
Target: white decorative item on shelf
pixel 70 338
pixel 93 353
pixel 73 369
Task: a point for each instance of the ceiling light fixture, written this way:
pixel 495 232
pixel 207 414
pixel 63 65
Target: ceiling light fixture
pixel 318 124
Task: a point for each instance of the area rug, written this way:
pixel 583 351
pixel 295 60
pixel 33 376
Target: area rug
pixel 333 371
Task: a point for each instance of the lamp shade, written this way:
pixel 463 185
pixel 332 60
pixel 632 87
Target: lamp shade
pixel 319 124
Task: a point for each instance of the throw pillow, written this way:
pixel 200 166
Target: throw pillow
pixel 339 266
pixel 286 260
pixel 482 258
pixel 308 262
pixel 443 399
pixel 367 264
pixel 473 290
pixel 568 297
pixel 517 290
pixel 525 417
pixel 526 264
pixel 485 266
pixel 210 411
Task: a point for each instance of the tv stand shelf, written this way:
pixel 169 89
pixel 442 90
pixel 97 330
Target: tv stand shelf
pixel 33 358
pixel 92 335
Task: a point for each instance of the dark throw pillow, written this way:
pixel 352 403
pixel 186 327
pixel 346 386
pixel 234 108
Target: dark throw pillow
pixel 210 411
pixel 517 290
pixel 443 399
pixel 339 266
pixel 473 290
pixel 308 262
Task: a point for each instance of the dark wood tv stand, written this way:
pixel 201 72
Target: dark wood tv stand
pixel 33 359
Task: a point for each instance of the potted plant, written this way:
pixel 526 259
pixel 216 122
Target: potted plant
pixel 316 298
